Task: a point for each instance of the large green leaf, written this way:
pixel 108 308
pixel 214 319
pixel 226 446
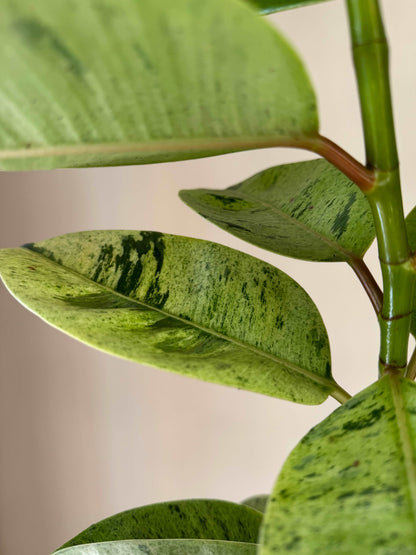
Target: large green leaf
pixel 269 6
pixel 107 82
pixel 350 484
pixel 163 547
pixel 191 519
pixel 189 306
pixel 308 210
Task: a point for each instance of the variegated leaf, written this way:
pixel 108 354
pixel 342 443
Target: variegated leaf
pixel 188 519
pixel 307 210
pixel 411 233
pixel 190 306
pixel 163 547
pixel 257 502
pixel 270 6
pixel 350 484
pixel 99 82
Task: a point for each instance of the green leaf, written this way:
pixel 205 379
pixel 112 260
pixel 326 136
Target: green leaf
pixel 270 6
pixel 95 83
pixel 191 519
pixel 190 306
pixel 308 210
pixel 411 234
pixel 257 502
pixel 411 228
pixel 350 484
pixel 163 547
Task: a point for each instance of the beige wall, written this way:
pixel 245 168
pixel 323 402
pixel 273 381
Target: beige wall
pixel 85 435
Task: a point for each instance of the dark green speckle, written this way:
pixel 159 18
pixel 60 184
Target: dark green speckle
pixel 37 35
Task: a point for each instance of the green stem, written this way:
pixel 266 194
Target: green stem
pixel 340 394
pixel 370 52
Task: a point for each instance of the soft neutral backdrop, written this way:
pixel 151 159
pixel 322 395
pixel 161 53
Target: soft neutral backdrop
pixel 85 435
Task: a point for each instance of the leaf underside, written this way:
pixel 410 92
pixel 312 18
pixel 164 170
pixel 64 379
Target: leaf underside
pixel 350 484
pixel 270 6
pixel 163 547
pixel 187 519
pixel 307 210
pixel 257 502
pixel 99 82
pixel 186 305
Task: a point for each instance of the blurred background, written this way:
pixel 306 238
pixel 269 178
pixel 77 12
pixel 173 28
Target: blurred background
pixel 85 435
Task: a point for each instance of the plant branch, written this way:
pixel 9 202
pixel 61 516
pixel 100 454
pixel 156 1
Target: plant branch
pixel 370 53
pixel 332 152
pixel 368 282
pixel 354 170
pixel 340 395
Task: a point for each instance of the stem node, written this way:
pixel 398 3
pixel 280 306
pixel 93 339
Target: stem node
pixel 370 53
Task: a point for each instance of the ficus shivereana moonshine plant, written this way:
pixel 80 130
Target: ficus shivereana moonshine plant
pixel 112 82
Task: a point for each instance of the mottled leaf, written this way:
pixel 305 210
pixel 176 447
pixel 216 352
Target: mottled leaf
pixel 350 484
pixel 270 6
pixel 308 210
pixel 191 519
pixel 163 547
pixel 99 82
pixel 190 306
pixel 257 502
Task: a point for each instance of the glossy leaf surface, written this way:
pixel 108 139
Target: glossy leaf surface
pixel 95 83
pixel 191 519
pixel 257 502
pixel 270 6
pixel 190 306
pixel 307 210
pixel 163 547
pixel 350 484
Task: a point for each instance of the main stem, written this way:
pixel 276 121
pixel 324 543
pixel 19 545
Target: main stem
pixel 370 52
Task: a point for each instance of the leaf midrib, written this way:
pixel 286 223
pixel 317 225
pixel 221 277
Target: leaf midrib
pixel 330 384
pixel 174 145
pixel 335 246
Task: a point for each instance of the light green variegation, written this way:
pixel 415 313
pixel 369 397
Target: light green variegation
pixel 308 210
pixel 270 6
pixel 95 83
pixel 188 519
pixel 163 547
pixel 190 306
pixel 257 502
pixel 114 82
pixel 350 484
